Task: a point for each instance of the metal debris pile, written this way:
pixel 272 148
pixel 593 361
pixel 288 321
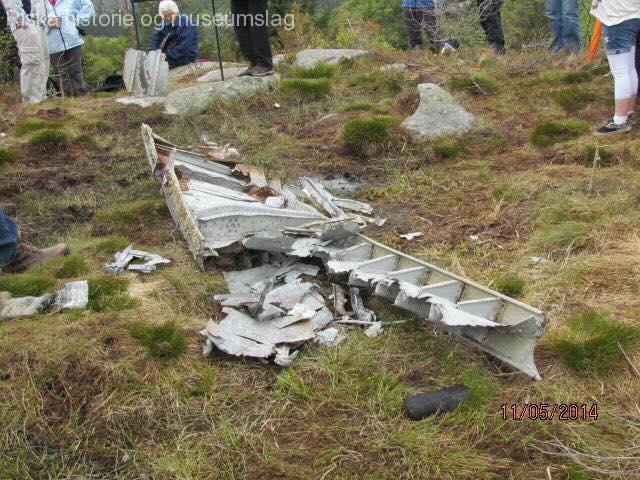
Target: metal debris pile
pixel 224 208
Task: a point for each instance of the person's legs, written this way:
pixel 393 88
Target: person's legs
pixel 553 10
pixel 241 25
pixel 430 25
pixel 8 239
pixel 570 26
pixel 60 73
pixel 491 21
pixel 35 63
pixel 260 34
pixel 74 68
pixel 638 56
pixel 413 20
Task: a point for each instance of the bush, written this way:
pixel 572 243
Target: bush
pixel 367 135
pixel 7 155
pixel 511 286
pixel 305 87
pixel 476 82
pixel 549 132
pixel 29 283
pixel 592 342
pixel 573 98
pixel 47 139
pixel 320 70
pixel 162 341
pixel 101 57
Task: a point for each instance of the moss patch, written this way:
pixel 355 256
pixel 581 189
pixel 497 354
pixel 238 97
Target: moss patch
pixel 476 82
pixel 29 283
pixel 549 132
pixel 45 140
pixel 162 341
pixel 7 155
pixel 305 87
pixel 512 286
pixel 367 135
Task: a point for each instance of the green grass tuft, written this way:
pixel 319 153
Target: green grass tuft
pixel 562 235
pixel 320 70
pixel 586 156
pixel 512 286
pixel 7 155
pixel 367 135
pixel 580 76
pixel 31 125
pixel 366 106
pixel 449 148
pixel 108 293
pixel 476 82
pixel 71 266
pixel 591 342
pixel 573 98
pixel 124 216
pixel 305 87
pixel 47 139
pixel 549 132
pixel 161 341
pixel 30 283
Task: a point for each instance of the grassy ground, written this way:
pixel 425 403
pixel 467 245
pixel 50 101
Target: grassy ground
pixel 82 396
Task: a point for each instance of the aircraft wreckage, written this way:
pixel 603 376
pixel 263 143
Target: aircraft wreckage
pixel 222 206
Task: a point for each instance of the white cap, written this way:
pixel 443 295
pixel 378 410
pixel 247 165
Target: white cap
pixel 167 6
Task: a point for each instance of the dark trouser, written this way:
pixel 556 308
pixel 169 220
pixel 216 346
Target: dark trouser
pixel 250 25
pixel 67 71
pixel 8 239
pixel 491 22
pixel 418 19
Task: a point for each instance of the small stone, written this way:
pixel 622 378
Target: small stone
pixel 311 57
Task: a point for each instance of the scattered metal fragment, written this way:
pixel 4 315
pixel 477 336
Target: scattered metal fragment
pixel 74 295
pixel 357 305
pixel 411 236
pixel 329 337
pixel 374 330
pixel 422 405
pixel 339 300
pixel 124 261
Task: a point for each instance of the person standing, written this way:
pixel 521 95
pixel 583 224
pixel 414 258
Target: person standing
pixel 420 15
pixel 177 38
pixel 491 22
pixel 30 39
pixel 620 28
pixel 250 24
pixel 16 255
pixel 65 42
pixel 565 25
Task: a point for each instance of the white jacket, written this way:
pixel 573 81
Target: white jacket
pixel 614 12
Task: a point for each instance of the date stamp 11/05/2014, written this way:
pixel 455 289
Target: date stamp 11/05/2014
pixel 549 411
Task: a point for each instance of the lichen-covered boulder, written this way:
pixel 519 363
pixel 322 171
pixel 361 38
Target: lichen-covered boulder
pixel 437 114
pixel 197 98
pixel 311 57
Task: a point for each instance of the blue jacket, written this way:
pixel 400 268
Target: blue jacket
pixel 70 13
pixel 181 46
pixel 418 4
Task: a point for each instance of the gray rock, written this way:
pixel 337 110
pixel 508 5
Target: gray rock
pixel 196 99
pixel 437 114
pixel 143 102
pixel 23 306
pixel 394 67
pixel 185 70
pixel 214 75
pixel 313 56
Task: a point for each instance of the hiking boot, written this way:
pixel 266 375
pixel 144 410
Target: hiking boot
pixel 28 255
pixel 262 71
pixel 248 72
pixel 611 128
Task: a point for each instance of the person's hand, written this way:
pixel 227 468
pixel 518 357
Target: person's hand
pixel 53 22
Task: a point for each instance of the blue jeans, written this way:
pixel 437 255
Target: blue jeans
pixel 8 239
pixel 565 24
pixel 621 38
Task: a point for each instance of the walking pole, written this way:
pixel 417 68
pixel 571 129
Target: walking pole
pixel 215 27
pixel 135 22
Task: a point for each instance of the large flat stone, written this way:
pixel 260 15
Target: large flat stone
pixel 311 57
pixel 214 75
pixel 437 114
pixel 197 98
pixel 143 102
